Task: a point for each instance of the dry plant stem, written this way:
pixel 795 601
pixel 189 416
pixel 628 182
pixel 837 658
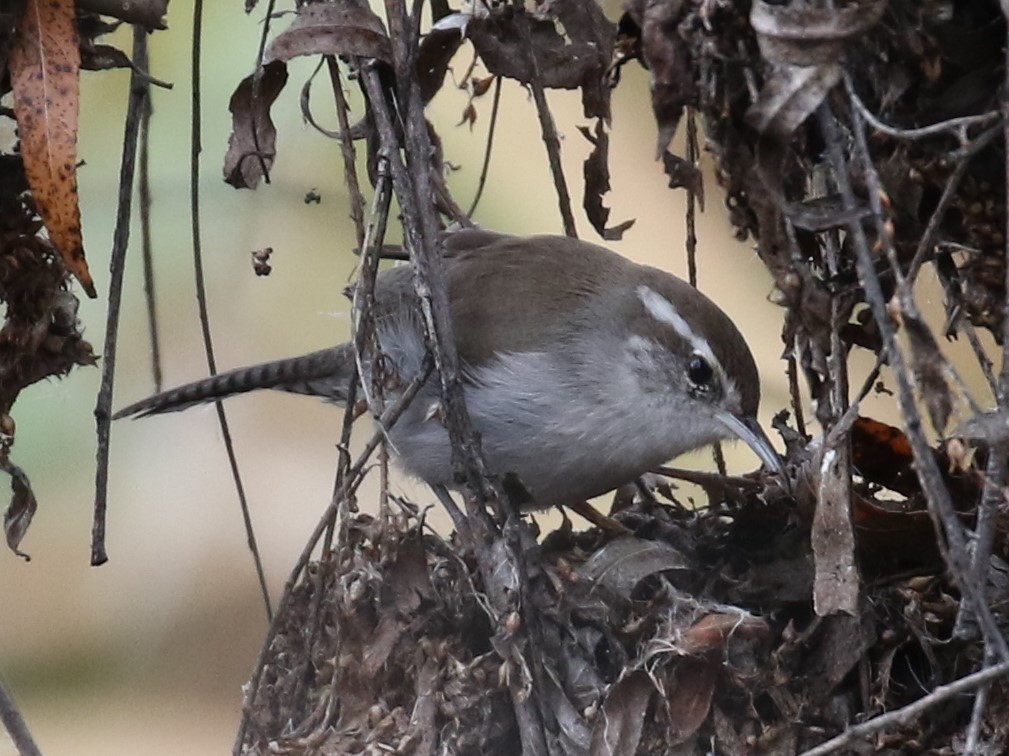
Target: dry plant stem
pixel 691 240
pixel 836 582
pixel 413 186
pixel 940 505
pixel 973 737
pixel 201 297
pixel 963 157
pixel 347 150
pixel 138 95
pixel 490 146
pixel 956 126
pixel 795 397
pixel 256 82
pixel 547 127
pixel 15 725
pixel 351 482
pixel 146 246
pixel 911 711
pixel 983 360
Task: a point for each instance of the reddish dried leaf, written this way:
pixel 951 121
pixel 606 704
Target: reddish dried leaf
pixel 617 730
pixel 689 700
pixel 893 541
pixel 713 632
pixel 45 65
pixel 253 140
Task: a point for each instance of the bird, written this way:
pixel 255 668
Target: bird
pixel 581 370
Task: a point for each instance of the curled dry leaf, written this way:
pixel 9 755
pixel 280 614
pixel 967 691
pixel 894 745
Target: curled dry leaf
pixel 668 57
pixel 253 140
pixel 21 509
pixel 624 562
pixel 804 45
pixel 45 65
pixel 348 28
pixel 597 183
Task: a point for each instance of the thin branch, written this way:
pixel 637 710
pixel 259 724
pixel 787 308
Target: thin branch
pixel 139 92
pixel 911 711
pixel 940 504
pixel 15 725
pixel 201 298
pixel 956 126
pixel 146 246
pixel 487 150
pixel 547 127
pixel 347 150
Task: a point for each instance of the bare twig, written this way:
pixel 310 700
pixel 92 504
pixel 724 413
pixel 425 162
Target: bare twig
pixel 487 150
pixel 940 504
pixel 911 711
pixel 347 149
pixel 15 725
pixel 139 92
pixel 201 298
pixel 146 246
pixel 957 126
pixel 547 127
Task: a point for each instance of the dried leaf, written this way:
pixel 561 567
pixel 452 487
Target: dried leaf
pixel 597 183
pixel 577 60
pixel 249 151
pixel 788 97
pixel 797 34
pixel 434 54
pixel 21 509
pixel 624 562
pixel 836 583
pixel 689 699
pixel 347 28
pixel 805 45
pixel 668 58
pixel 684 174
pixel 714 631
pixel 45 66
pixel 617 731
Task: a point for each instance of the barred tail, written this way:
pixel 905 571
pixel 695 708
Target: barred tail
pixel 325 373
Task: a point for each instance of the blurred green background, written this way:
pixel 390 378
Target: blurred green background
pixel 149 652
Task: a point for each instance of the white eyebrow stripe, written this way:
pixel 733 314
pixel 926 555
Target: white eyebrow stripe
pixel 663 310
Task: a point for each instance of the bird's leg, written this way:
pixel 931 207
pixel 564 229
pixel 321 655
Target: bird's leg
pixel 597 518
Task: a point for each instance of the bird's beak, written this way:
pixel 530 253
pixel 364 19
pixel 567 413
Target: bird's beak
pixel 749 430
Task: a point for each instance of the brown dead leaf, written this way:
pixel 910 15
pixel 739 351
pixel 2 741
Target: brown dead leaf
pixel 689 701
pixel 45 65
pixel 253 141
pixel 836 584
pixel 348 28
pixel 22 508
pixel 597 183
pixel 617 731
pixel 668 57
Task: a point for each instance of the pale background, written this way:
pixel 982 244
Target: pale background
pixel 149 653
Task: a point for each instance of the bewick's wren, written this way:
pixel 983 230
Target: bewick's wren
pixel 582 370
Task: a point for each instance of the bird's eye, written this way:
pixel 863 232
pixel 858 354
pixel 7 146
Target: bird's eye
pixel 699 371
